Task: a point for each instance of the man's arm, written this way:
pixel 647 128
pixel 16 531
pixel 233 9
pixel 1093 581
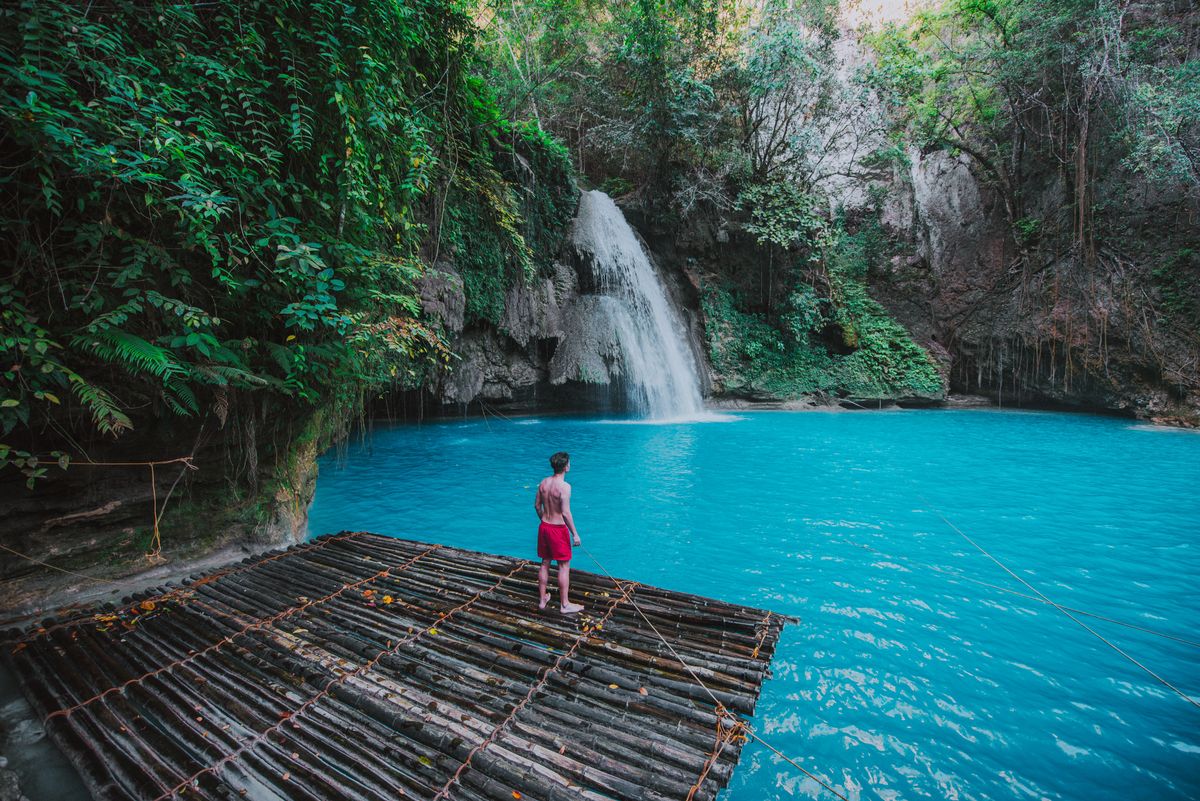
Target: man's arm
pixel 566 512
pixel 537 502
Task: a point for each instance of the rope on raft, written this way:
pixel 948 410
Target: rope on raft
pixel 729 729
pixel 228 639
pixel 178 592
pixel 740 725
pixel 626 595
pixel 366 666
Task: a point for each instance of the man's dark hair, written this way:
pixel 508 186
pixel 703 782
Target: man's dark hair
pixel 559 461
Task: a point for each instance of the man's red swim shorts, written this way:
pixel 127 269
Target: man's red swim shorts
pixel 554 542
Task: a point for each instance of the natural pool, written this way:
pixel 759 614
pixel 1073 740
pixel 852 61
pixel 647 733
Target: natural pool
pixel 906 677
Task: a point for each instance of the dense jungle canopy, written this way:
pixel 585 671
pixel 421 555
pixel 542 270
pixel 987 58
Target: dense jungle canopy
pixel 218 211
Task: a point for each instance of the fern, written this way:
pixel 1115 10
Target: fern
pixel 105 414
pixel 131 352
pixel 180 398
pixel 223 375
pixel 233 198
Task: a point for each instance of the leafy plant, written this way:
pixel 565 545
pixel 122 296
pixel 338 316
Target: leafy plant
pixel 239 198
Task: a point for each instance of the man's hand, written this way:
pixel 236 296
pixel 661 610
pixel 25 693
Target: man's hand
pixel 578 541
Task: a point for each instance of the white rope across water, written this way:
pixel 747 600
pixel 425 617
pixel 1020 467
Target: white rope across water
pixel 1063 609
pixel 961 577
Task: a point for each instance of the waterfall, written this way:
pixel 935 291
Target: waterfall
pixel 658 367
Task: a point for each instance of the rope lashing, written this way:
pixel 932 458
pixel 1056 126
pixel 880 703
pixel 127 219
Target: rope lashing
pixel 626 593
pixel 295 715
pixel 228 639
pixel 729 729
pixel 745 727
pixel 178 592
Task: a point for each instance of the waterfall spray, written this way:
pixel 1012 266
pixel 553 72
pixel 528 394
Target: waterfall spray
pixel 659 369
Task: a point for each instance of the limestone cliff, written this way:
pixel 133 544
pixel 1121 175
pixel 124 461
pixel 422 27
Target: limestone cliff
pixel 557 345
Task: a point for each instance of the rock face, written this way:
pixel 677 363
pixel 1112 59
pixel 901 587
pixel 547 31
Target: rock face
pixel 558 344
pixel 1037 325
pixel 95 524
pixel 508 365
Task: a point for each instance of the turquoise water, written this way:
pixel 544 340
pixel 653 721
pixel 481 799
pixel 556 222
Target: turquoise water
pixel 903 679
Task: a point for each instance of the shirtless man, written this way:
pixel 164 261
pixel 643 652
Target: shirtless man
pixel 553 506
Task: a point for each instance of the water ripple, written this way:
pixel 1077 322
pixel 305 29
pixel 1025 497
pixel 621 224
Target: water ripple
pixel 905 678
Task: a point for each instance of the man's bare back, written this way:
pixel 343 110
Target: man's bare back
pixel 553 496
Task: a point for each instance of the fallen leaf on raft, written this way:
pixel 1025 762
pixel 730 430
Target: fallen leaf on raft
pixel 147 606
pixel 20 647
pixel 516 794
pixel 387 599
pixel 562 750
pixel 295 755
pixel 426 761
pixel 433 631
pixel 368 593
pixel 286 776
pixel 299 631
pixel 612 686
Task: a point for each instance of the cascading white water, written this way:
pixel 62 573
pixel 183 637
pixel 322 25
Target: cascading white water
pixel 659 369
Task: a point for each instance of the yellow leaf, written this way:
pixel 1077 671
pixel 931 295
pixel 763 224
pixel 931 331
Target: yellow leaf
pixel 290 337
pixel 612 686
pixel 147 606
pixel 433 631
pixel 387 599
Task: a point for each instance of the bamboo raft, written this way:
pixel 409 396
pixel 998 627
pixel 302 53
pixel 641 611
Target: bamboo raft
pixel 358 666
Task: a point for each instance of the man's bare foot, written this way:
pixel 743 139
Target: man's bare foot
pixel 545 600
pixel 570 609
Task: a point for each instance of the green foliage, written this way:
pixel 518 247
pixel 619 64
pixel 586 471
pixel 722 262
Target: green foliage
pixel 873 357
pixel 240 196
pixel 783 214
pixel 1162 135
pixel 1177 280
pixel 1089 86
pixel 530 198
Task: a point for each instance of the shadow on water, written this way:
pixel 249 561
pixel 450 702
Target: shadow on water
pixel 43 772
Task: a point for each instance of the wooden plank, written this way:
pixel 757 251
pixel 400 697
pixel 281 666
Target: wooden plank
pixel 362 666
